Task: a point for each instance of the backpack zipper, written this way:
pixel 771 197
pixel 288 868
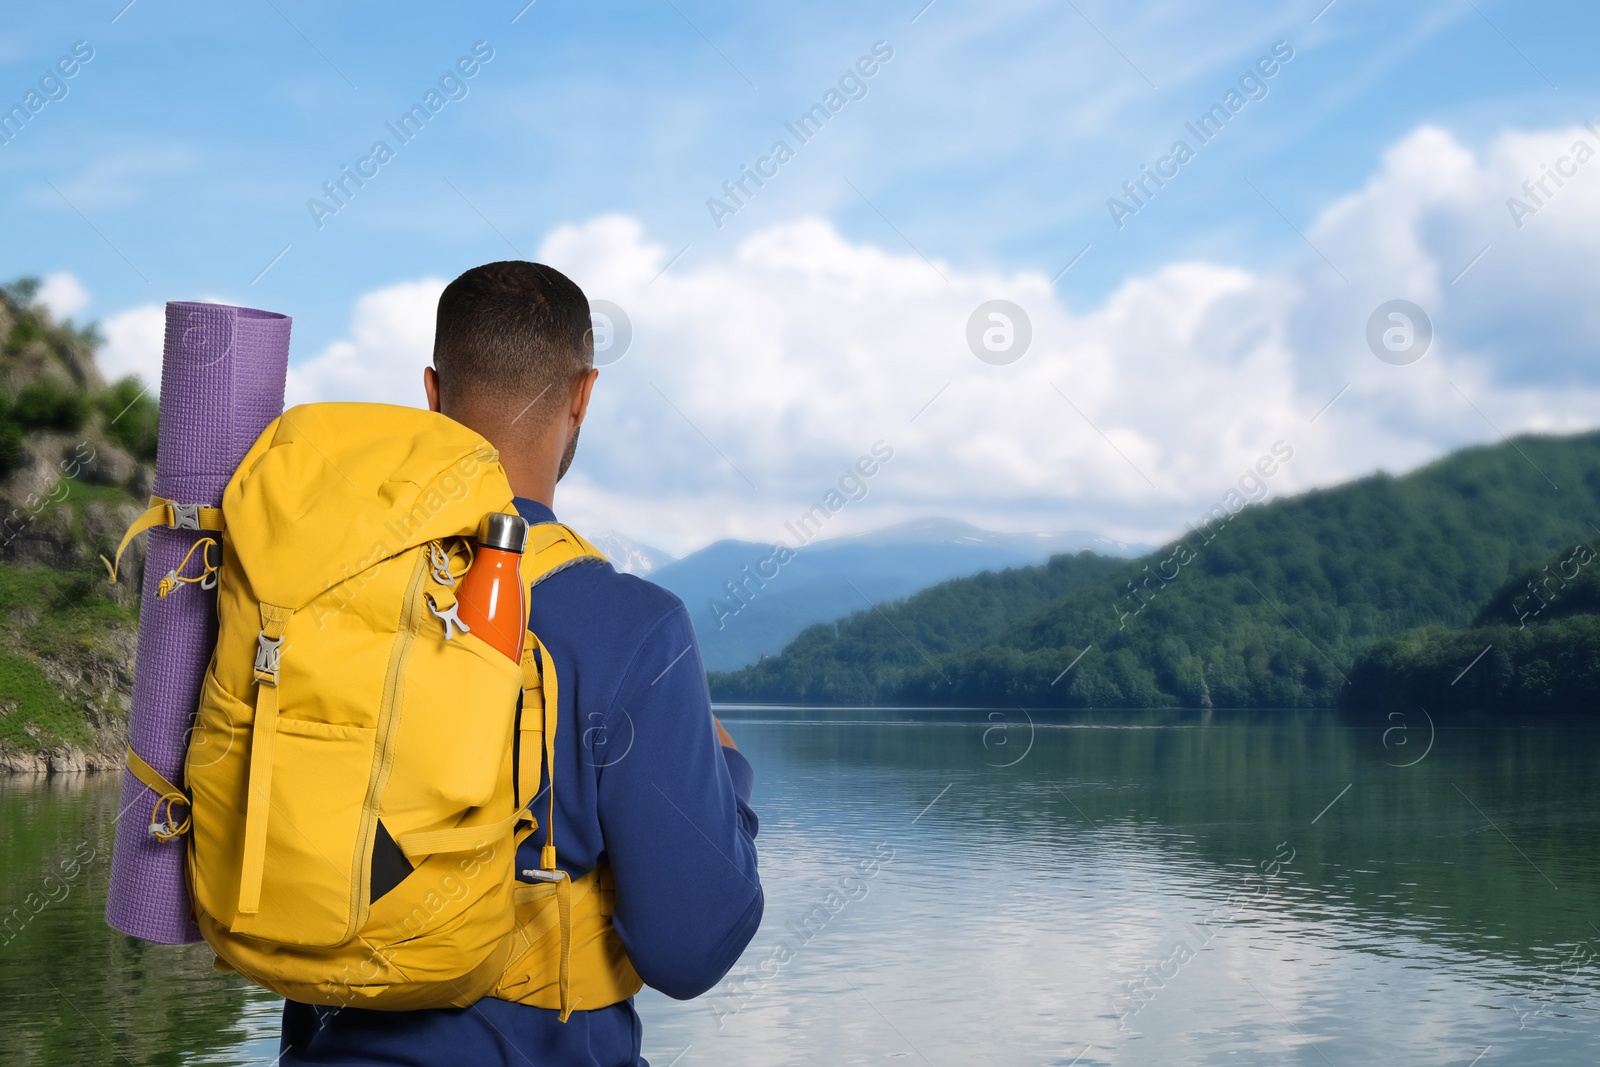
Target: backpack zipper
pixel 383 751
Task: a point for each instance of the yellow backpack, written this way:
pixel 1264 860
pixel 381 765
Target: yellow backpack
pixel 359 775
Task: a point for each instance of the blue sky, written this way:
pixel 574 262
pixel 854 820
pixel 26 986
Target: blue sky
pixel 180 162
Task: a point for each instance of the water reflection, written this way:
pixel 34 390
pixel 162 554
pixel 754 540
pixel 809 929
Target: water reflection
pixel 72 990
pixel 1119 895
pixel 960 887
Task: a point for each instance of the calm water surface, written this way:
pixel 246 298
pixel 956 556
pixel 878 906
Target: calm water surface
pixel 956 888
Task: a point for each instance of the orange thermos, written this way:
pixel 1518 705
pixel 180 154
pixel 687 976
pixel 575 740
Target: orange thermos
pixel 493 601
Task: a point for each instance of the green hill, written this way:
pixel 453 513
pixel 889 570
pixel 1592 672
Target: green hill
pixel 1270 607
pixel 1533 649
pixel 75 458
pixel 848 662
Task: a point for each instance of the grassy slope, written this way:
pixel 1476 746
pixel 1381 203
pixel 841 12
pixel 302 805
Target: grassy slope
pixel 52 625
pixel 66 638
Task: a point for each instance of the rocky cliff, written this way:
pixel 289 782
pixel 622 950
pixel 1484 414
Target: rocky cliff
pixel 76 457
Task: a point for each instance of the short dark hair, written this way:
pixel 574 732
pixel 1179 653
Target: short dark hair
pixel 514 329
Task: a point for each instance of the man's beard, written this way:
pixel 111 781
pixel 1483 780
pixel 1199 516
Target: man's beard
pixel 566 457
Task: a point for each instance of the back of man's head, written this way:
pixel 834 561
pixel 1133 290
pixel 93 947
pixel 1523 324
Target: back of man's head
pixel 510 339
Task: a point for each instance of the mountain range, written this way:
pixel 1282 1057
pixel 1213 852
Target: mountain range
pixel 630 556
pixel 1271 606
pixel 746 604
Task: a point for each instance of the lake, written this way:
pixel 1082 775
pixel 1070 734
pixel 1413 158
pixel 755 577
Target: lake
pixel 1094 888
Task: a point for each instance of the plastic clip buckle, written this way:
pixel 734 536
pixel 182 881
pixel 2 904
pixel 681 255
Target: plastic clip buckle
pixel 185 517
pixel 213 562
pixel 449 617
pixel 439 560
pixel 267 655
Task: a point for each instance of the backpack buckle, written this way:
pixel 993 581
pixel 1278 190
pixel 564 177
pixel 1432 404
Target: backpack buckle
pixel 439 560
pixel 185 517
pixel 268 651
pixel 449 618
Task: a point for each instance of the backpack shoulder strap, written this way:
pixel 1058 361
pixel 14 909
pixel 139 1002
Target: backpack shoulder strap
pixel 551 547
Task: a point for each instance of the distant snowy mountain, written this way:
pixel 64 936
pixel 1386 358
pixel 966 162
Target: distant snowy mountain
pixel 630 556
pixel 934 531
pixel 745 604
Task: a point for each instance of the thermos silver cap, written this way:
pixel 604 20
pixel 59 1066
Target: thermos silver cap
pixel 503 531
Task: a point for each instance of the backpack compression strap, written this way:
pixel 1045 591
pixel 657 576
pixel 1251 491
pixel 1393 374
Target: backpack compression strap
pixel 164 825
pixel 263 739
pixel 168 513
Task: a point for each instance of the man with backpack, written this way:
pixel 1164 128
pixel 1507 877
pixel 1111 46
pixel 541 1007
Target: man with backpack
pixel 650 808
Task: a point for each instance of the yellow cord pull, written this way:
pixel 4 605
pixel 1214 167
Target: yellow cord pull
pixel 206 578
pixel 163 827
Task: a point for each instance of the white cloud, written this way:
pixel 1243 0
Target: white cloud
pixel 781 364
pixel 63 294
pixel 391 341
pixel 133 344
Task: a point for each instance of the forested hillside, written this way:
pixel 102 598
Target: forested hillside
pixel 1267 608
pixel 850 661
pixel 1534 648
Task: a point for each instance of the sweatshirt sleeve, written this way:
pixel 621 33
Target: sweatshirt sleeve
pixel 678 828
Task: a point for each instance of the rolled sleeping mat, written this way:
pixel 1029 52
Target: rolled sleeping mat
pixel 222 380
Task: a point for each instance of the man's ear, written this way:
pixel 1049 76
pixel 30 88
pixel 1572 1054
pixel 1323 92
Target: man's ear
pixel 582 387
pixel 430 385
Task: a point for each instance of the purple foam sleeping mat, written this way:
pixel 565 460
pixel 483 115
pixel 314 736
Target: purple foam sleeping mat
pixel 222 380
